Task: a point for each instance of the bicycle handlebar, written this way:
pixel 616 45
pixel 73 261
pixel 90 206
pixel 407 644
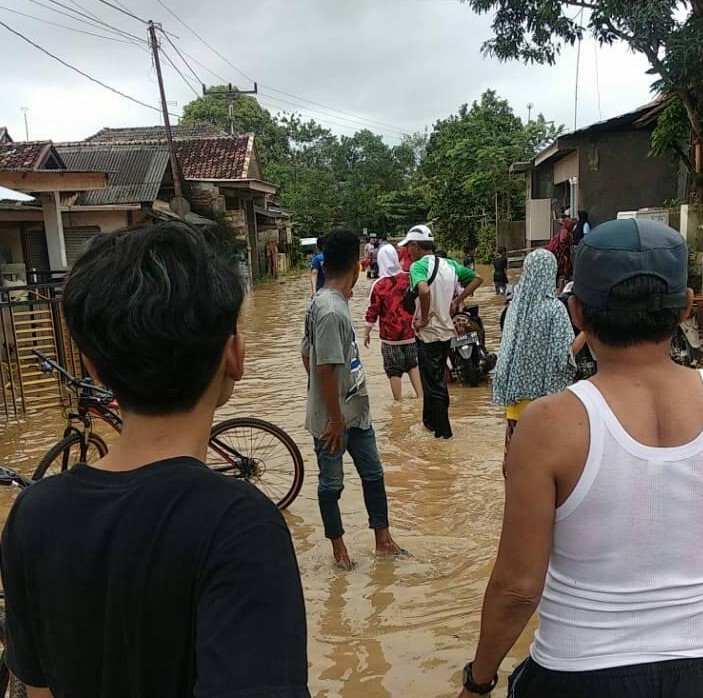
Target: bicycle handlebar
pixel 48 365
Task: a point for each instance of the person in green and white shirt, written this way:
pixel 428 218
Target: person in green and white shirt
pixel 433 324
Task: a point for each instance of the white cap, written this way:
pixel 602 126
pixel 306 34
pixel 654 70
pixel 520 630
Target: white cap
pixel 418 233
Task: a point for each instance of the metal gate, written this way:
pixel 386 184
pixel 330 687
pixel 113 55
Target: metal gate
pixel 31 318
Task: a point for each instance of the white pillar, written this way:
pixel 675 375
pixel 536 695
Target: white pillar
pixel 53 229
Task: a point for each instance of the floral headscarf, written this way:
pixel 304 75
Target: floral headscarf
pixel 535 351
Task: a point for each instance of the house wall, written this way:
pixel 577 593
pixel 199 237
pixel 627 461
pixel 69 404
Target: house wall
pixel 617 174
pixel 107 221
pixel 10 244
pixel 566 168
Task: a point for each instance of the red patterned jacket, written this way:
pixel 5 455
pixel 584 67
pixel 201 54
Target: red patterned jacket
pixel 386 305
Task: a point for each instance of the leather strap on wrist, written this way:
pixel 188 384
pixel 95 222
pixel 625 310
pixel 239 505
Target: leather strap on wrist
pixel 471 686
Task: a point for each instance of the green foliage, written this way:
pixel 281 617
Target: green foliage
pixel 247 116
pixel 669 33
pixel 454 175
pixel 486 244
pixel 467 166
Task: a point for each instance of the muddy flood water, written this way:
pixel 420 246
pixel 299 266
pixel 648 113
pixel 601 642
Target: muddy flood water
pixel 388 629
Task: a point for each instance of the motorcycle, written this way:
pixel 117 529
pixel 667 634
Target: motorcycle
pixel 686 345
pixel 470 361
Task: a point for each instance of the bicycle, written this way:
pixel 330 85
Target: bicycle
pixel 246 448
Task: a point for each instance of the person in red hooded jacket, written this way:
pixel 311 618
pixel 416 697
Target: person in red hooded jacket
pixel 396 332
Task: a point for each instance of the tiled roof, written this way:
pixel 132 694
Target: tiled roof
pixel 27 155
pixel 150 134
pixel 215 158
pixel 135 172
pixel 203 152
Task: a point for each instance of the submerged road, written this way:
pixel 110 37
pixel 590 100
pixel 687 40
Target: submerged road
pixel 388 629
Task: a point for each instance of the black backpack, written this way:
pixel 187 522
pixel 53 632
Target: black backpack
pixel 411 294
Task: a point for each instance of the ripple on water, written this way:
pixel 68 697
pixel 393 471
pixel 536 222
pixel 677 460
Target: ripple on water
pixel 389 628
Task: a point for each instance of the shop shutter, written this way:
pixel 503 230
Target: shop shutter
pixel 38 251
pixel 76 239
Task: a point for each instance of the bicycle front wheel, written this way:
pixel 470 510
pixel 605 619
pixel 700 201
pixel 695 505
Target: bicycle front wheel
pixel 69 451
pixel 260 452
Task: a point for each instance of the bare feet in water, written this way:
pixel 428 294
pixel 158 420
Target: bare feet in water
pixel 341 555
pixel 386 546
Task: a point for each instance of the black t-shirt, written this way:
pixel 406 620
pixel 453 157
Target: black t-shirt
pixel 170 580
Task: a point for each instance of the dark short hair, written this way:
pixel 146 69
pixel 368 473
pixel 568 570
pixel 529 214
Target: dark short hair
pixel 321 242
pixel 426 245
pixel 627 328
pixel 502 250
pixel 341 251
pixel 152 308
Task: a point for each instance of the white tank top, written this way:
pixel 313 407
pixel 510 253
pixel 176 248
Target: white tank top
pixel 625 578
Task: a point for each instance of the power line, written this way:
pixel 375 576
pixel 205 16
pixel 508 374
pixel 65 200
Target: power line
pixel 339 111
pixel 183 77
pixel 79 71
pixel 93 23
pixel 272 89
pixel 348 121
pixel 324 120
pixel 204 67
pixel 64 26
pixel 212 48
pixel 185 62
pixel 124 12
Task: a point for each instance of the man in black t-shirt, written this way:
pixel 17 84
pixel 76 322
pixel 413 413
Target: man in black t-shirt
pixel 146 574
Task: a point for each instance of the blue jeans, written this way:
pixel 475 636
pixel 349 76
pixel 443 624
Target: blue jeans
pixel 361 444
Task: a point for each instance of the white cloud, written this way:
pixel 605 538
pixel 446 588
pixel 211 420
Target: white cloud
pixel 406 63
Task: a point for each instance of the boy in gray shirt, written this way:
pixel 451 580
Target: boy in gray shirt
pixel 338 414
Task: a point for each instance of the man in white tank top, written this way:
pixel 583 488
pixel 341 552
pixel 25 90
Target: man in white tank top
pixel 603 525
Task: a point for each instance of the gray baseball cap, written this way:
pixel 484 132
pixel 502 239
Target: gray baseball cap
pixel 619 250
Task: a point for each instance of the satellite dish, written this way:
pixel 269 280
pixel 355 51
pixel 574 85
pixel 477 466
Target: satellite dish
pixel 180 206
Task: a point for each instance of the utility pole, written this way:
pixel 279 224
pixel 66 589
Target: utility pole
pixel 230 92
pixel 179 204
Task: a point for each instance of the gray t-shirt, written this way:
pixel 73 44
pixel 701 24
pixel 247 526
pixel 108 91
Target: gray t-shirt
pixel 330 339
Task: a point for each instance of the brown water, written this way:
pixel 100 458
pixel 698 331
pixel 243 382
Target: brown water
pixel 389 628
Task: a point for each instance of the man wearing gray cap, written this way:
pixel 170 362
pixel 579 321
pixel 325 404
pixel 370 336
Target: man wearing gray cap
pixel 604 498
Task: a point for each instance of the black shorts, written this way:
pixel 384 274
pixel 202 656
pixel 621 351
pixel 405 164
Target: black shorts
pixel 398 358
pixel 677 678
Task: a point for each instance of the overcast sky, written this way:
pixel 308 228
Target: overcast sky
pixel 403 63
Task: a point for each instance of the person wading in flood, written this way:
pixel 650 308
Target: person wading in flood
pixel 146 573
pixel 338 414
pixel 603 523
pixel 398 346
pixel 435 287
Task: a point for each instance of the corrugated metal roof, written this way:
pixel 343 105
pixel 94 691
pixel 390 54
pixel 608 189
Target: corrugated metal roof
pixel 135 172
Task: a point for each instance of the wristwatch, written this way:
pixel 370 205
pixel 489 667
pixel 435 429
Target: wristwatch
pixel 471 686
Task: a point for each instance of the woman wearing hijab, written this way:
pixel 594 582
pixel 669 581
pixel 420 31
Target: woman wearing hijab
pixel 538 343
pixel 398 346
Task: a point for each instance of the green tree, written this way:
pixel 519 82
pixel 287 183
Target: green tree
pixel 467 166
pixel 306 176
pixel 669 33
pixel 247 115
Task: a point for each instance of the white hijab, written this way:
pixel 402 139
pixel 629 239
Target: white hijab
pixel 388 262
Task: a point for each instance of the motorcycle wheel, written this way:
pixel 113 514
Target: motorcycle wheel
pixel 470 371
